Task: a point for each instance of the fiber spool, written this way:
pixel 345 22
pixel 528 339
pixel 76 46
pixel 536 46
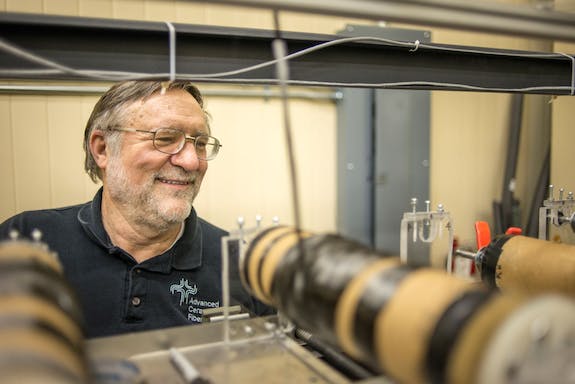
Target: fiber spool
pixel 524 264
pixel 40 333
pixel 414 325
pixel 350 295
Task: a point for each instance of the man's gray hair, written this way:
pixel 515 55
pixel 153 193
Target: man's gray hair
pixel 111 111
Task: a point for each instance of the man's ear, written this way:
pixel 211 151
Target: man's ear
pixel 98 148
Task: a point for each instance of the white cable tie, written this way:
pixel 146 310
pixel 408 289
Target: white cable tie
pixel 572 71
pixel 280 52
pixel 172 31
pixel 416 42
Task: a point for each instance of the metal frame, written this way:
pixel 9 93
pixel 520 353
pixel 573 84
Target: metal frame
pixel 119 45
pixel 97 90
pixel 515 20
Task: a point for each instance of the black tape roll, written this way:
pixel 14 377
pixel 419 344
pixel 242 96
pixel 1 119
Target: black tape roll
pixel 378 291
pixel 447 330
pixel 489 259
pixel 306 287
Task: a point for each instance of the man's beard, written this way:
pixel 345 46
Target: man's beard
pixel 145 204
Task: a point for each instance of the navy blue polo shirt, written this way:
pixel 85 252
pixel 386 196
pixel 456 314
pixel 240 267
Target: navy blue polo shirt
pixel 119 295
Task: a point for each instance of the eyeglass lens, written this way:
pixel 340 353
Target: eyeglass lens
pixel 172 141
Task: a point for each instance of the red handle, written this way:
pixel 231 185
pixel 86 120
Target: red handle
pixel 514 231
pixel 482 234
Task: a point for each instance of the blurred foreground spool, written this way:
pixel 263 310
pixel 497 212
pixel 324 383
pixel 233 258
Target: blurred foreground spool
pixel 415 325
pixel 40 334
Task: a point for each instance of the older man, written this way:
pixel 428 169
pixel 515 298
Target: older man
pixel 138 255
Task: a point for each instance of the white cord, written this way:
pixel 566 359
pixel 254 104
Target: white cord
pixel 29 56
pixel 172 32
pixel 303 52
pixel 55 67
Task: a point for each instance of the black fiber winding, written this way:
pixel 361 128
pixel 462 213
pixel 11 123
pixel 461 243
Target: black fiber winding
pixel 376 295
pixel 490 259
pixel 448 329
pixel 307 287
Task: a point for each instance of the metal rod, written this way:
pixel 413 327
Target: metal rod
pixel 515 20
pixel 466 254
pixel 98 90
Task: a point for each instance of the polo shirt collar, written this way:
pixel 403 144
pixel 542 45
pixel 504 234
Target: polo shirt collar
pixel 186 254
pixel 188 249
pixel 90 218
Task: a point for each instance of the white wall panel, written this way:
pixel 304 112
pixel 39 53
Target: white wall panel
pixel 251 174
pixel 563 136
pixel 96 8
pixel 65 135
pixel 7 190
pixel 162 10
pixel 128 9
pixel 35 6
pixel 31 152
pixel 61 7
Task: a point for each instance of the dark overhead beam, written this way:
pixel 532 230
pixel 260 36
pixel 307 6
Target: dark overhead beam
pixel 135 46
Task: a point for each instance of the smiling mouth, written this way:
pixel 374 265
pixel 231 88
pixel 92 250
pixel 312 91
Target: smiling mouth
pixel 174 182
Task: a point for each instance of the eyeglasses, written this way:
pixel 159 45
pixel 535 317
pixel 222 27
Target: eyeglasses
pixel 172 140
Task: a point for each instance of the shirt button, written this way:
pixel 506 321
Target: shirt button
pixel 136 301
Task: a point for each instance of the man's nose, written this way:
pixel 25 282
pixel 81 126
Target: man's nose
pixel 187 158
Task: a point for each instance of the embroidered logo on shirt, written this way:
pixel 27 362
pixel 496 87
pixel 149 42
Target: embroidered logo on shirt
pixel 185 290
pixel 194 305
